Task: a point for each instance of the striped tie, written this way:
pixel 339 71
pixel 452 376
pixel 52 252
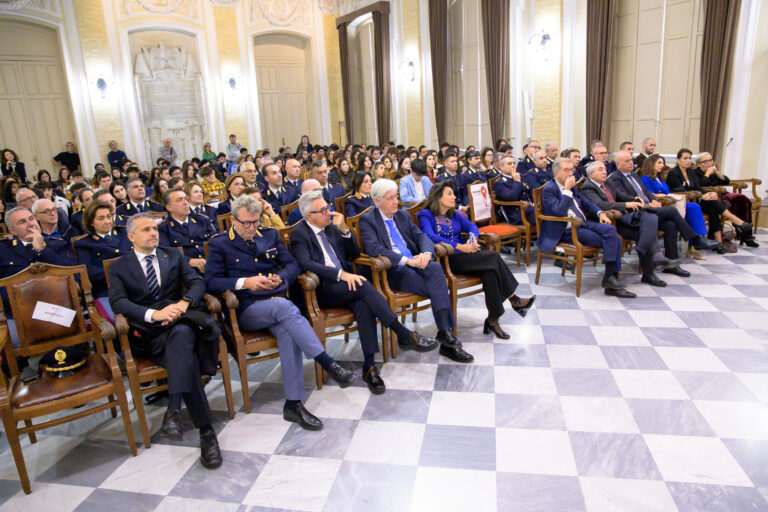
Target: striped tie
pixel 154 287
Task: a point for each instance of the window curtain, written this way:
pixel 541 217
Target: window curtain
pixel 381 44
pixel 495 16
pixel 600 29
pixel 438 45
pixel 721 18
pixel 344 54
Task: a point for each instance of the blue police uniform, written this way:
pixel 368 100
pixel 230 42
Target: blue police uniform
pixel 284 196
pixel 207 211
pixel 330 192
pixel 507 189
pixel 224 207
pixel 295 186
pixel 525 164
pixel 356 204
pixel 190 235
pixel 129 210
pixel 464 179
pixel 536 178
pixel 231 258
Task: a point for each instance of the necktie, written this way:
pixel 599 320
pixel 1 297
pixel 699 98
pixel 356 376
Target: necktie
pixel 399 242
pixel 607 193
pixel 154 287
pixel 108 238
pixel 577 209
pixel 329 250
pixel 197 210
pixel 140 207
pixel 251 246
pixel 637 188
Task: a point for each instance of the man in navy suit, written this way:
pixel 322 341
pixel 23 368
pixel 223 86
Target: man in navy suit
pixel 306 186
pixel 276 194
pixel 511 187
pixel 539 174
pixel 145 285
pixel 626 185
pixel 331 191
pixel 526 162
pixel 323 244
pixel 387 231
pixel 561 198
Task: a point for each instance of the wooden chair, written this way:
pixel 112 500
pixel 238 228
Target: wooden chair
pixel 224 221
pixel 401 302
pixel 215 197
pixel 143 371
pixel 338 203
pixel 528 233
pixel 575 253
pixel 3 229
pixel 286 210
pixel 101 378
pixel 72 242
pixel 159 215
pixel 506 233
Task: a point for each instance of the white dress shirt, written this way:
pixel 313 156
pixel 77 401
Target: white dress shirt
pixel 328 261
pixel 571 211
pixel 156 264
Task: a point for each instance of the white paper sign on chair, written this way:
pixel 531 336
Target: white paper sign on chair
pixel 54 314
pixel 481 201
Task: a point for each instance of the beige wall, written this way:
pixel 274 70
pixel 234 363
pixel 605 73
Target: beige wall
pixel 333 64
pixel 547 85
pixel 225 22
pixel 413 90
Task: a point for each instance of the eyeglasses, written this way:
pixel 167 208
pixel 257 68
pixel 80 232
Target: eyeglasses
pixel 601 153
pixel 249 223
pixel 709 161
pixel 323 210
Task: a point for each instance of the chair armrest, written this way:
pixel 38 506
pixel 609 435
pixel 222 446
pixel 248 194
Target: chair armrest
pixel 717 190
pixel 106 329
pixel 692 195
pixel 379 264
pixel 213 305
pixel 230 299
pixel 664 199
pixel 308 281
pixel 5 337
pixel 443 249
pixel 573 220
pixel 614 215
pixel 489 238
pixel 521 204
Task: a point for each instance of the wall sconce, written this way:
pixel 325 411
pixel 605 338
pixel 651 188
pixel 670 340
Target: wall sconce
pixel 232 83
pixel 408 70
pixel 101 85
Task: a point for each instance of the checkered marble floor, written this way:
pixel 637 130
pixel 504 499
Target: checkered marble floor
pixel 595 403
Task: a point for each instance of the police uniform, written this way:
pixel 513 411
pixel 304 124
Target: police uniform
pixel 295 186
pixel 356 204
pixel 284 196
pixel 330 192
pixel 92 250
pixel 536 178
pixel 525 164
pixel 507 188
pixel 190 235
pixel 225 207
pixel 464 179
pixel 230 260
pixel 128 209
pixel 207 211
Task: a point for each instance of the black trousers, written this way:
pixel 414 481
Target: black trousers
pixel 183 367
pixel 671 222
pixel 498 282
pixel 713 209
pixel 366 304
pixel 641 227
pixel 429 282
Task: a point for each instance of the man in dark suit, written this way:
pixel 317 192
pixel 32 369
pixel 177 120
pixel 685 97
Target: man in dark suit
pixel 511 187
pixel 137 200
pixel 389 232
pixel 185 229
pixel 323 244
pixel 276 194
pixel 597 152
pixel 649 148
pixel 145 285
pixel 253 263
pixel 526 162
pixel 331 191
pixel 53 222
pixel 627 186
pixel 561 198
pixel 634 224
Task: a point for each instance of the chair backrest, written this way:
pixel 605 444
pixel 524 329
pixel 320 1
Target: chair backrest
pixel 41 328
pixel 480 205
pixel 75 239
pixel 537 206
pixel 159 215
pixel 286 210
pixel 285 235
pixel 414 210
pixel 580 182
pixel 224 221
pixel 491 183
pixel 3 229
pixel 354 226
pixel 339 202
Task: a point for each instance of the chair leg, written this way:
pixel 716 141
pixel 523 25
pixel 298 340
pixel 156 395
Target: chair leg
pixel 111 399
pixel 392 343
pixel 125 412
pixel 517 249
pixel 562 270
pixel 538 266
pixel 579 263
pixel 527 249
pixel 226 377
pixel 319 375
pixel 138 403
pixel 32 435
pixel 385 343
pixel 13 440
pixel 242 365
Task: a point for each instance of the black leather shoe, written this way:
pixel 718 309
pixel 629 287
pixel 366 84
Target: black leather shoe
pixel 677 271
pixel 419 343
pixel 702 244
pixel 652 280
pixel 611 282
pixel 341 375
pixel 456 353
pixel 302 416
pixel 171 427
pixel 620 292
pixel 520 305
pixel 210 454
pixel 494 328
pixel 374 381
pixel 447 337
pixel 750 243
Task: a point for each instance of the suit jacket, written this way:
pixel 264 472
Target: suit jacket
pixel 591 191
pixel 556 204
pixel 230 258
pixel 18 169
pixel 507 189
pixel 93 250
pixel 375 236
pixel 408 191
pixel 623 190
pixel 696 180
pixel 294 217
pixel 307 251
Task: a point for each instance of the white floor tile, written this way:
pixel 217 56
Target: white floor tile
pixel 757 384
pixel 597 414
pixel 154 470
pixel 415 376
pixel 545 452
pixel 614 494
pixel 569 317
pixel 576 356
pixel 386 442
pixel 334 402
pixel 727 338
pixel 38 457
pixel 692 359
pixel 177 504
pixel 462 409
pixel 736 420
pixel 449 490
pixel 620 336
pixel 688 303
pixel 659 384
pixel 656 318
pixel 238 434
pixel 520 380
pixel 722 291
pixel 45 496
pixel 523 334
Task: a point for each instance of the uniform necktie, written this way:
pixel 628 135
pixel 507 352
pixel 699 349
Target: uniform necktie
pixel 251 246
pixel 154 287
pixel 197 210
pixel 607 193
pixel 329 250
pixel 140 207
pixel 399 242
pixel 108 238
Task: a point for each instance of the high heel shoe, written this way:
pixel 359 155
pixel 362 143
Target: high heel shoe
pixel 695 254
pixel 745 235
pixel 495 328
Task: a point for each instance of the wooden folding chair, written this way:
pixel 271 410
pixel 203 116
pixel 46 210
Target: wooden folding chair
pixel 22 400
pixel 142 371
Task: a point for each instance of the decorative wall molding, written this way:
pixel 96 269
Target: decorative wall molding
pixel 15 5
pixel 224 3
pixel 186 8
pixel 281 13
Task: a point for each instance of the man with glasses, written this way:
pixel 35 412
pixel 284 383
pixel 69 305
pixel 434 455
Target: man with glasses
pixel 276 194
pixel 252 262
pixel 323 244
pixel 597 153
pixel 526 163
pixel 249 172
pixel 184 229
pixel 52 225
pixel 137 200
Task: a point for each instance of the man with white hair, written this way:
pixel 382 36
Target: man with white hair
pixel 324 245
pixel 52 225
pixel 387 231
pixel 253 263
